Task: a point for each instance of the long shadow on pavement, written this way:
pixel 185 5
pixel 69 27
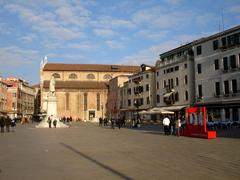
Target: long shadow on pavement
pixel 121 175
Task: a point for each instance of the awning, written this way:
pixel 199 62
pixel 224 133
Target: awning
pixel 143 112
pixel 167 95
pixel 157 110
pixel 174 108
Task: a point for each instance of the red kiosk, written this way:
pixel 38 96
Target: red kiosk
pixel 197 124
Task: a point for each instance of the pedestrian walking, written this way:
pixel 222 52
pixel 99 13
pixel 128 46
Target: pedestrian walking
pixel 49 122
pixel 178 126
pixel 100 121
pixel 166 122
pixel 55 123
pixel 112 123
pixel 13 124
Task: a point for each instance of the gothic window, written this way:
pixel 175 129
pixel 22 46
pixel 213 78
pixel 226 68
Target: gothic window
pixel 98 101
pixel 90 76
pixel 85 101
pixel 67 101
pixel 56 75
pixel 72 76
pixel 107 76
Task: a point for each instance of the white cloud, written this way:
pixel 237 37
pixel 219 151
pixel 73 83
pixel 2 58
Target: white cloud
pixel 114 44
pixel 109 22
pixel 234 9
pixel 15 56
pixel 44 22
pixel 149 55
pixel 206 19
pixel 28 38
pixel 106 33
pixel 151 34
pixel 161 17
pixel 4 29
pixel 84 46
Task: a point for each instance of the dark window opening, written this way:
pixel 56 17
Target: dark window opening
pixel 200 91
pixel 186 79
pixel 186 95
pixel 217 88
pixel 158 99
pixel 148 100
pixel 224 42
pixel 216 63
pixel 199 68
pixel 199 50
pixel 226 87
pixel 233 64
pixel 225 63
pixel 215 44
pixel 234 86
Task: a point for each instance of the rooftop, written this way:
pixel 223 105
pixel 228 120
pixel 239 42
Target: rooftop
pixel 90 67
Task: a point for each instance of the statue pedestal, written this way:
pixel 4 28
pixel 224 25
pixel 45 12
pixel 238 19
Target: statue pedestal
pixel 51 111
pixel 52 106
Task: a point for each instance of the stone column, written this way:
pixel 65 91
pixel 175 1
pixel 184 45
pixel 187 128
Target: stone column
pixel 222 112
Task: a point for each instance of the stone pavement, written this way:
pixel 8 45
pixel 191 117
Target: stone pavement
pixel 87 151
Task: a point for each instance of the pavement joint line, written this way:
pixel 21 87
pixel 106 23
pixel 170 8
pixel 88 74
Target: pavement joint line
pixel 113 171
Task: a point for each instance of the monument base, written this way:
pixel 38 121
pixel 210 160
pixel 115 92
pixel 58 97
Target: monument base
pixel 44 124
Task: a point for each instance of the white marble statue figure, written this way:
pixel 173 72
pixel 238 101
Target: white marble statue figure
pixel 52 86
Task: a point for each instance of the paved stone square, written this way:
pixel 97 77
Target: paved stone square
pixel 87 151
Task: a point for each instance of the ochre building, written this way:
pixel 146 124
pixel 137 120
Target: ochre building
pixel 81 89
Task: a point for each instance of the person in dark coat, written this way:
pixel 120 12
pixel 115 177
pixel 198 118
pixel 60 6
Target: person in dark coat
pixel 55 123
pixel 49 122
pixel 8 123
pixel 2 124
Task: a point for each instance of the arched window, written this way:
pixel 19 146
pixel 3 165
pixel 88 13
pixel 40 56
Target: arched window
pixel 90 76
pixel 107 76
pixel 72 76
pixel 56 75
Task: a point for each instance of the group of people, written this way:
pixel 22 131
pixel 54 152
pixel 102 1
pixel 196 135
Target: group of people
pixel 7 122
pixel 52 121
pixel 172 126
pixel 119 122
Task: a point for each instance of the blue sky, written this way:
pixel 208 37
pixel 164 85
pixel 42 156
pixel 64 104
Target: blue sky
pixel 102 31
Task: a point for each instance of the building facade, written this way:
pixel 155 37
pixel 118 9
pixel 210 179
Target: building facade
pixel 175 78
pixel 20 98
pixel 115 98
pixel 138 93
pixel 217 74
pixel 3 97
pixel 81 89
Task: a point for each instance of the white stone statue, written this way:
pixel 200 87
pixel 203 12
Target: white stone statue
pixel 52 85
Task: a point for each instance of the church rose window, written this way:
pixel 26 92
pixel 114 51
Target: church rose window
pixel 107 76
pixel 90 76
pixel 73 76
pixel 56 75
